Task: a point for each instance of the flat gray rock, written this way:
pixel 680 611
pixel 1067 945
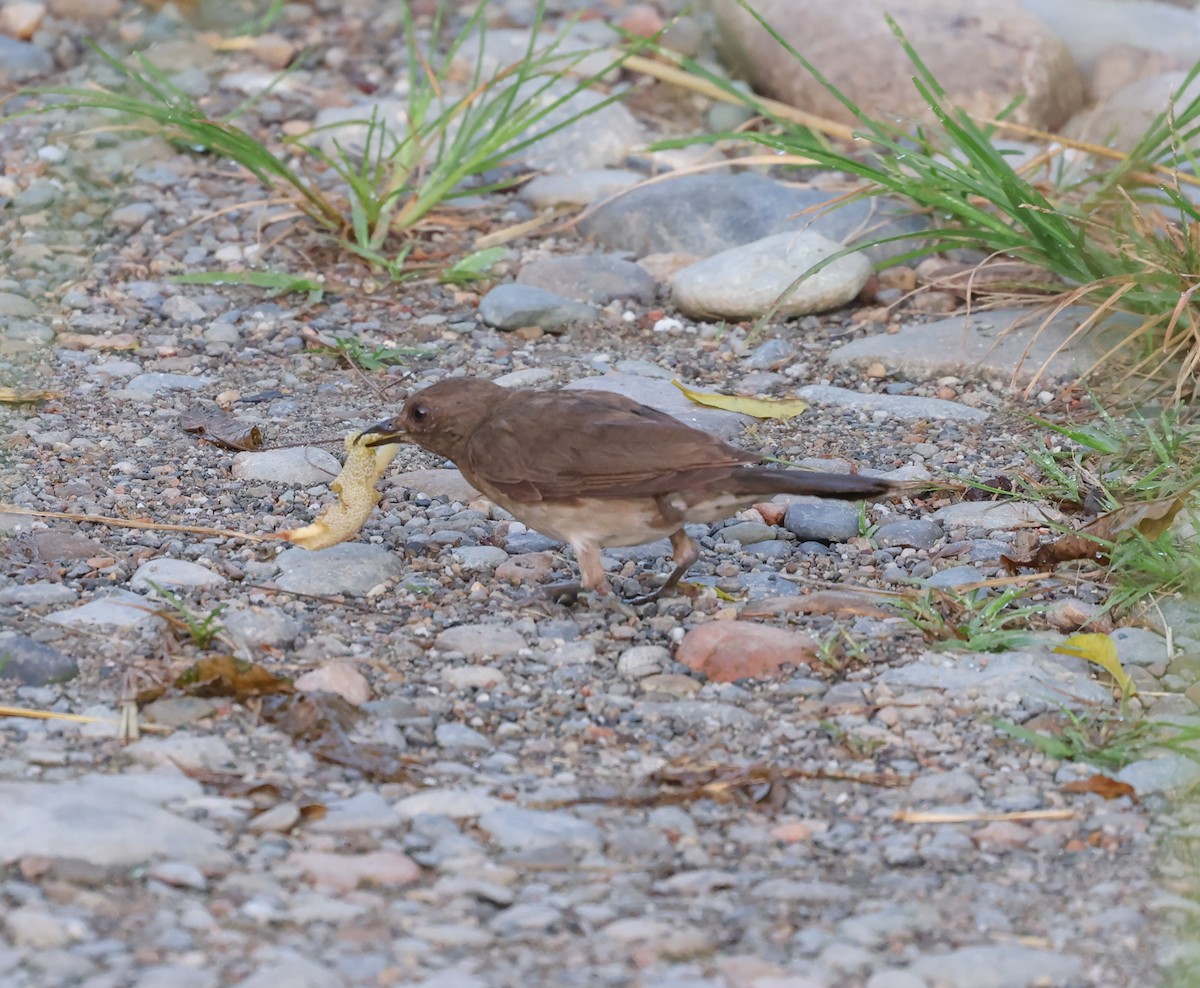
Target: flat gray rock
pixel 664 396
pixel 1008 345
pixel 508 307
pixel 747 281
pixel 146 386
pixel 300 466
pixel 436 483
pixel 458 804
pixel 596 279
pixel 900 407
pixel 479 641
pixel 120 609
pixel 818 519
pixel 33 663
pixel 352 568
pixel 175 573
pixel 514 827
pixel 997 515
pixel 102 824
pixel 987 678
pixel 16 305
pixel 998 966
pixel 577 188
pixel 40 594
pixel 1161 774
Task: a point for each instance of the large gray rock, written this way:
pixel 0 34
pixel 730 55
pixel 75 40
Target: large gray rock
pixel 106 821
pixel 983 54
pixel 1010 345
pixel 1121 119
pixel 746 281
pixel 1097 28
pixel 351 568
pixel 706 214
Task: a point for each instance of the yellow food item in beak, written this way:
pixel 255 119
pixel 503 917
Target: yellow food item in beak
pixel 357 497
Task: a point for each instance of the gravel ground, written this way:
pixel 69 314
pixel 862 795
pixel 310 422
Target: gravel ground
pixel 508 792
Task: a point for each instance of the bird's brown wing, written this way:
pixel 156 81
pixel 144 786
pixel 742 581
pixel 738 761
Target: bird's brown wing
pixel 561 444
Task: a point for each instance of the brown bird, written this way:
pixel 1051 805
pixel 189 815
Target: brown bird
pixel 594 469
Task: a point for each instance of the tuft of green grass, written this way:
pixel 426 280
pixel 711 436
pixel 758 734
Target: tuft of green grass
pixel 386 189
pixel 275 282
pixel 201 629
pixel 367 357
pixel 1123 233
pixel 971 620
pixel 1106 740
pixel 474 267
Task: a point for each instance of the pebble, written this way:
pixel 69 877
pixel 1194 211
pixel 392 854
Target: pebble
pixel 259 626
pixel 902 408
pixel 516 828
pixel 474 677
pixel 508 307
pixel 999 966
pixel 642 661
pixel 479 558
pixel 917 533
pixel 458 804
pixel 747 533
pixel 172 573
pixel 38 595
pixel 16 305
pixel 480 641
pixel 459 736
pixel 146 386
pixel 746 281
pixel 821 520
pixel 337 677
pixel 726 651
pixel 1135 646
pixel 596 279
pixel 351 568
pixel 1163 774
pixel 133 215
pixel 300 466
pixel 581 188
pixel 364 811
pixel 448 483
pixel 42 820
pixel 120 610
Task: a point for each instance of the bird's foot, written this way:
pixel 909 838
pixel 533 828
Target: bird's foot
pixel 566 592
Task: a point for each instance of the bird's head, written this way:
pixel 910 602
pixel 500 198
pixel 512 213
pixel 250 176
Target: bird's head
pixel 441 418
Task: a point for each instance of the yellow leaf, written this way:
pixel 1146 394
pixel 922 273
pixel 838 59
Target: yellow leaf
pixel 1102 651
pixel 357 497
pixel 759 408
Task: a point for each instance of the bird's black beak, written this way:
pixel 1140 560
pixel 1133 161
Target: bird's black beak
pixel 383 434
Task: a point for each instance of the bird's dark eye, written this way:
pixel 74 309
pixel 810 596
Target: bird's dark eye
pixel 418 413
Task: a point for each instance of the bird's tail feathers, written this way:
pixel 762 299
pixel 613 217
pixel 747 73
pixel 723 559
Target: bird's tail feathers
pixel 845 486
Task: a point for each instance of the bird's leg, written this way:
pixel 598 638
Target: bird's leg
pixel 591 571
pixel 685 553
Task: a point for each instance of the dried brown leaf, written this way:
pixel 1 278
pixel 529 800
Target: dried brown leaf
pixel 223 431
pixel 1102 785
pixel 225 675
